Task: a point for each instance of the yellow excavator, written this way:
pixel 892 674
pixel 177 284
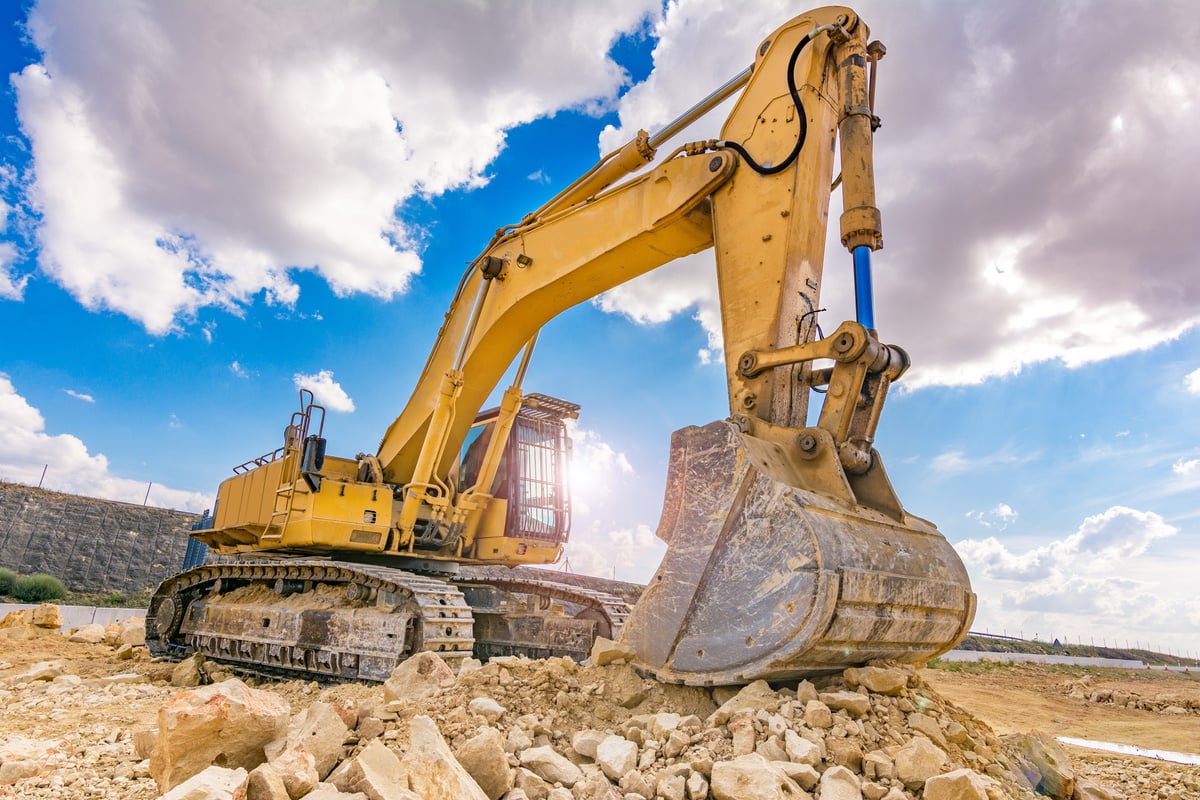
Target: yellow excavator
pixel 788 550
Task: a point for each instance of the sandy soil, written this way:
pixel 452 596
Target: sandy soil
pixel 1014 699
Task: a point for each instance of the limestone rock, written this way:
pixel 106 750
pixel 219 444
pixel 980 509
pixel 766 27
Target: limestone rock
pixel 487 708
pixel 1045 764
pixel 817 714
pixel 423 675
pixel 917 761
pixel 754 697
pixel 188 673
pixel 752 777
pixel 800 750
pixel 433 771
pixel 376 772
pixel 839 783
pixel 961 784
pixel 927 725
pixel 213 783
pixel 264 783
pixel 483 757
pixel 596 787
pixel 319 730
pixel 327 791
pixel 606 651
pixel 47 615
pixel 881 680
pixel 297 769
pixel 804 774
pixel 586 741
pixel 227 721
pixel 616 755
pixel 41 671
pixel 531 784
pixel 88 634
pixel 1086 790
pixel 697 787
pixel 550 766
pixel 853 702
pixel 671 787
pixel 132 631
pixel 13 770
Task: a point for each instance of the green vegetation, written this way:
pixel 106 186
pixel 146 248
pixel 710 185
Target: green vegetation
pixel 38 588
pixel 8 579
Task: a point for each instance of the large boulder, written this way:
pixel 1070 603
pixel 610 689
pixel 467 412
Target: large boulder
pixel 432 770
pixel 227 723
pixel 484 758
pixel 91 633
pixel 918 761
pixel 319 730
pixel 961 784
pixel 423 675
pixel 375 772
pixel 213 783
pixel 752 777
pixel 47 615
pixel 1044 763
pixel 550 766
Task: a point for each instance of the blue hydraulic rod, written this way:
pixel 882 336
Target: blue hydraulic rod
pixel 864 301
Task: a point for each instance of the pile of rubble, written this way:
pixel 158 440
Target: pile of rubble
pixel 553 730
pixel 514 728
pixel 1082 689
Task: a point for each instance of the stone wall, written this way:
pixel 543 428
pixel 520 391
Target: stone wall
pixel 91 545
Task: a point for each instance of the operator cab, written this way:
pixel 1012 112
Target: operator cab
pixel 532 477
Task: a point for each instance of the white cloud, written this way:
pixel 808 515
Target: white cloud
pixel 629 554
pixel 999 517
pixel 956 462
pixel 1107 578
pixel 26 449
pixel 597 469
pixel 87 398
pixel 186 155
pixel 1185 467
pixel 1004 232
pixel 326 390
pixel 238 370
pixel 1191 381
pixel 12 287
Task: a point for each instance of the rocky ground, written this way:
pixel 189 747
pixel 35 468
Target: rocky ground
pixel 98 718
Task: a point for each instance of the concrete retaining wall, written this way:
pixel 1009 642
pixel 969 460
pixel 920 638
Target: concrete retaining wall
pixel 90 545
pixel 74 616
pixel 1039 658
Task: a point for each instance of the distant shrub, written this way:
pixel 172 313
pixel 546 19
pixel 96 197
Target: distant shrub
pixel 8 579
pixel 38 588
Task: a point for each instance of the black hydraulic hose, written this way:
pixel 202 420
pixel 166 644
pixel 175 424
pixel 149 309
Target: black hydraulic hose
pixel 795 94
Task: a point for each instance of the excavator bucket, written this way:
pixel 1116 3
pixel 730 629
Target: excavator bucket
pixel 763 580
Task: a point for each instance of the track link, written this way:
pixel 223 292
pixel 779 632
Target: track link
pixel 388 615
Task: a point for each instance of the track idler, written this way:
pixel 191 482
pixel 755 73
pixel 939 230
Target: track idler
pixel 764 580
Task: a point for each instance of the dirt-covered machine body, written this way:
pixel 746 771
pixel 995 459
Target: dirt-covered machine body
pixel 788 550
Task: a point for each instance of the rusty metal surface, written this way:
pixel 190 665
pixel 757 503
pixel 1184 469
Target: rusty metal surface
pixel 765 580
pixel 337 621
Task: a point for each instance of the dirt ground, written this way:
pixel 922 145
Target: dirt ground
pixel 1159 710
pixel 1021 697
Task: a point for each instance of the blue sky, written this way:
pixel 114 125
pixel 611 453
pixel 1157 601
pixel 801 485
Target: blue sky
pixel 205 205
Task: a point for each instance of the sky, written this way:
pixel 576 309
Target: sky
pixel 204 206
